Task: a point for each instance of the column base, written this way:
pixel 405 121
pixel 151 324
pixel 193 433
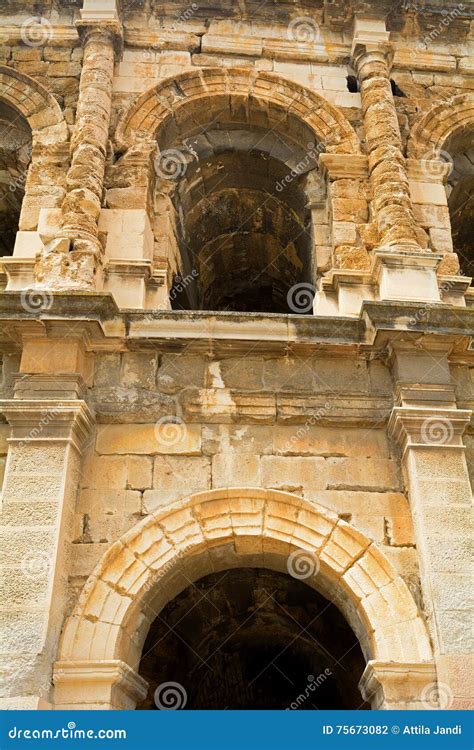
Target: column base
pixel 396 274
pixel 406 275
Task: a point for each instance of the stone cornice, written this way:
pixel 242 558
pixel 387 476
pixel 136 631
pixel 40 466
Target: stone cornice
pixel 96 319
pixel 48 421
pixel 425 427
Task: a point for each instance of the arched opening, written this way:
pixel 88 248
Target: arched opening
pixel 251 638
pixel 460 189
pixel 235 179
pixel 241 529
pixel 15 154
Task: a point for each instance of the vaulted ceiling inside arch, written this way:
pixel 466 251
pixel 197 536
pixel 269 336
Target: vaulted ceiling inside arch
pixel 246 174
pixel 15 152
pixel 460 190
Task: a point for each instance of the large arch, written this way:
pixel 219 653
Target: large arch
pixel 436 126
pixel 152 109
pixel 36 104
pixel 213 531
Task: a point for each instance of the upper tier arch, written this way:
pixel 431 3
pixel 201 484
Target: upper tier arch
pixel 36 104
pixel 145 117
pixel 436 126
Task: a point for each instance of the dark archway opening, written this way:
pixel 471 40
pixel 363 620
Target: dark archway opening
pixel 460 190
pixel 235 182
pixel 250 638
pixel 15 154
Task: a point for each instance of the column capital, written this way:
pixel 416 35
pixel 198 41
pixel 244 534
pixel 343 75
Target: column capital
pixel 105 684
pixel 107 31
pixel 397 684
pixel 371 46
pixel 422 427
pixel 48 421
pixel 101 18
pixel 371 59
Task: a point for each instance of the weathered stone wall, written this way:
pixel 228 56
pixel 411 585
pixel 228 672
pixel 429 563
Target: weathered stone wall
pixel 359 413
pixel 304 425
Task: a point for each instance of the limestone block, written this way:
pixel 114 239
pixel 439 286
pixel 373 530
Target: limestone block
pixel 441 240
pixel 150 439
pixel 353 474
pixel 344 545
pixel 139 369
pixel 107 369
pixel 27 245
pixel 235 470
pixel 177 371
pixel 181 473
pixel 139 472
pixel 318 440
pixel 334 83
pixel 219 438
pixel 129 233
pixel 107 472
pixel 49 222
pixel 344 233
pixel 56 356
pixel 99 501
pixel 432 216
pixel 428 193
pixel 289 472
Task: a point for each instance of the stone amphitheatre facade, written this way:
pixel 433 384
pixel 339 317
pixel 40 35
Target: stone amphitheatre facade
pixel 236 346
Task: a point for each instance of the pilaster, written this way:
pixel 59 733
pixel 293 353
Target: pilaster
pixel 47 437
pixel 428 426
